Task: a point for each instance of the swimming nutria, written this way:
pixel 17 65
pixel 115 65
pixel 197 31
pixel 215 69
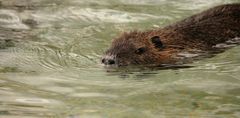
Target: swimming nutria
pixel 202 31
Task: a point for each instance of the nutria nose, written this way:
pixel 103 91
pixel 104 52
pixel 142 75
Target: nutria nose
pixel 108 61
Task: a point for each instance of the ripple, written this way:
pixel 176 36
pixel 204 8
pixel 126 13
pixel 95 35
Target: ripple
pixel 39 57
pixel 143 2
pixel 187 55
pixel 2 81
pixel 86 15
pixel 18 56
pixel 89 2
pixel 62 90
pixel 197 4
pixel 10 19
pixel 58 60
pixel 32 100
pixel 227 108
pixel 110 16
pixel 94 95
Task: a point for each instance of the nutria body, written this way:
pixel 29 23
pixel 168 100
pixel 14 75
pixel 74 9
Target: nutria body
pixel 200 32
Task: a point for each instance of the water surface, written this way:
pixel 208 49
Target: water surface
pixel 50 63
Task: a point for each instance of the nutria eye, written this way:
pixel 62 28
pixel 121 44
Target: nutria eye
pixel 140 50
pixel 157 42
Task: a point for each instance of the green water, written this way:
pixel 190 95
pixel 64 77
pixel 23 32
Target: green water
pixel 50 63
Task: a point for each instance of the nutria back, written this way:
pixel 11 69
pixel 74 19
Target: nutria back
pixel 210 27
pixel 202 32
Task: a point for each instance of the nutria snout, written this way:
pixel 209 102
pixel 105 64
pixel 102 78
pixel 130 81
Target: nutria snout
pixel 108 60
pixel 200 32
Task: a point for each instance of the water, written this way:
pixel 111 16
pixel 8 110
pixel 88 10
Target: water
pixel 50 63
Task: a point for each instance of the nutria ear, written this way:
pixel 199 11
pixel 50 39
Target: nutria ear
pixel 157 42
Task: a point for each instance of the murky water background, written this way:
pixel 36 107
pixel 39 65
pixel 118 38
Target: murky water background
pixel 49 63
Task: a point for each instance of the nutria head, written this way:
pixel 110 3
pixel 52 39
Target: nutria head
pixel 136 48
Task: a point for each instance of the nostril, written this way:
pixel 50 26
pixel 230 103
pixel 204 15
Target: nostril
pixel 111 62
pixel 103 60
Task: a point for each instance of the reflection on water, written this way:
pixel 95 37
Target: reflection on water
pixel 49 63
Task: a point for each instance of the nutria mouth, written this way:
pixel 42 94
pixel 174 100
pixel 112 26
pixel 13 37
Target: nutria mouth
pixel 202 32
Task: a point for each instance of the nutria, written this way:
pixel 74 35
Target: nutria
pixel 200 32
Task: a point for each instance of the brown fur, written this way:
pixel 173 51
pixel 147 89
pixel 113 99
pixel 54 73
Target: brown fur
pixel 198 32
